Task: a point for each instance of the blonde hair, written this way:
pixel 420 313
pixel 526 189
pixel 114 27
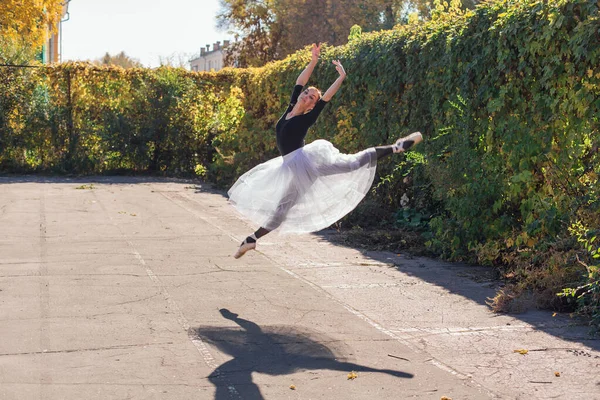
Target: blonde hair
pixel 317 89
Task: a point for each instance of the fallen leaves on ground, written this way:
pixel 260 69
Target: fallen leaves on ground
pixel 557 374
pixel 521 351
pixel 352 375
pixel 293 387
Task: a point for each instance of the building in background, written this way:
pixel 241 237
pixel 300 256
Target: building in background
pixel 210 60
pixel 52 49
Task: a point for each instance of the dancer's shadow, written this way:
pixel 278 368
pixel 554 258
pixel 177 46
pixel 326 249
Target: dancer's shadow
pixel 278 350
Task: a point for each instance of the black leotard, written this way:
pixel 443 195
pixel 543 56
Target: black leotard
pixel 291 132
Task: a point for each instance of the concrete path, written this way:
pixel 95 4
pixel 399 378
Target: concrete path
pixel 125 288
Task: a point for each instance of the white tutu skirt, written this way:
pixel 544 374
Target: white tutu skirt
pixel 306 190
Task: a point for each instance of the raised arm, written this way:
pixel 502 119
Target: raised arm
pixel 338 82
pixel 305 75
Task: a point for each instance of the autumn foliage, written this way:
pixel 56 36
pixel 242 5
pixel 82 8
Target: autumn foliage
pixel 506 96
pixel 29 21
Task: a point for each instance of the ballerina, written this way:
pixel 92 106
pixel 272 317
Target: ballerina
pixel 310 187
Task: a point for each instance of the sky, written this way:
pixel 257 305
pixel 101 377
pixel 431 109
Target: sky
pixel 145 30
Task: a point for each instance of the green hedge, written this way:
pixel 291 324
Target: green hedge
pixel 82 119
pixel 507 96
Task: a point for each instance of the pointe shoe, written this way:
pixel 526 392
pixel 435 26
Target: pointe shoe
pixel 244 247
pixel 407 142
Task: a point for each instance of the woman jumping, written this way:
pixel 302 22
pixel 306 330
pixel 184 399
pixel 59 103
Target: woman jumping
pixel 309 187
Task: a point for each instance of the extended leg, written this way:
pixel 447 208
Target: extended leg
pixel 285 204
pixel 261 232
pixel 401 145
pixel 364 157
pixel 250 242
pixel 384 151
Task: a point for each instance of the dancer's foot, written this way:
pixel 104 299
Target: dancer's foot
pixel 247 245
pixel 405 143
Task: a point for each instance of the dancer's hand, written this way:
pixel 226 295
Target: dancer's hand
pixel 339 68
pixel 338 82
pixel 316 51
pixel 305 74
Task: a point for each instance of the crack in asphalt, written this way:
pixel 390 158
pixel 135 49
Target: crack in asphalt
pixel 66 351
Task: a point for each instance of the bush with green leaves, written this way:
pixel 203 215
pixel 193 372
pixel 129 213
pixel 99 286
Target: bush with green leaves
pixel 586 293
pixel 84 119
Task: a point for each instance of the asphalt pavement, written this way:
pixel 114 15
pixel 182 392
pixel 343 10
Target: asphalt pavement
pixel 126 288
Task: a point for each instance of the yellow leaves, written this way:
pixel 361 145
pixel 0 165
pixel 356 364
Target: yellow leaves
pixel 413 18
pixel 200 170
pixel 293 387
pixel 29 20
pixel 352 375
pixel 522 239
pixel 521 351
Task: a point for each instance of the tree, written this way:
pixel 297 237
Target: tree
pixel 254 26
pixel 27 22
pixel 401 10
pixel 14 51
pixel 267 30
pixel 121 60
pixel 310 21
